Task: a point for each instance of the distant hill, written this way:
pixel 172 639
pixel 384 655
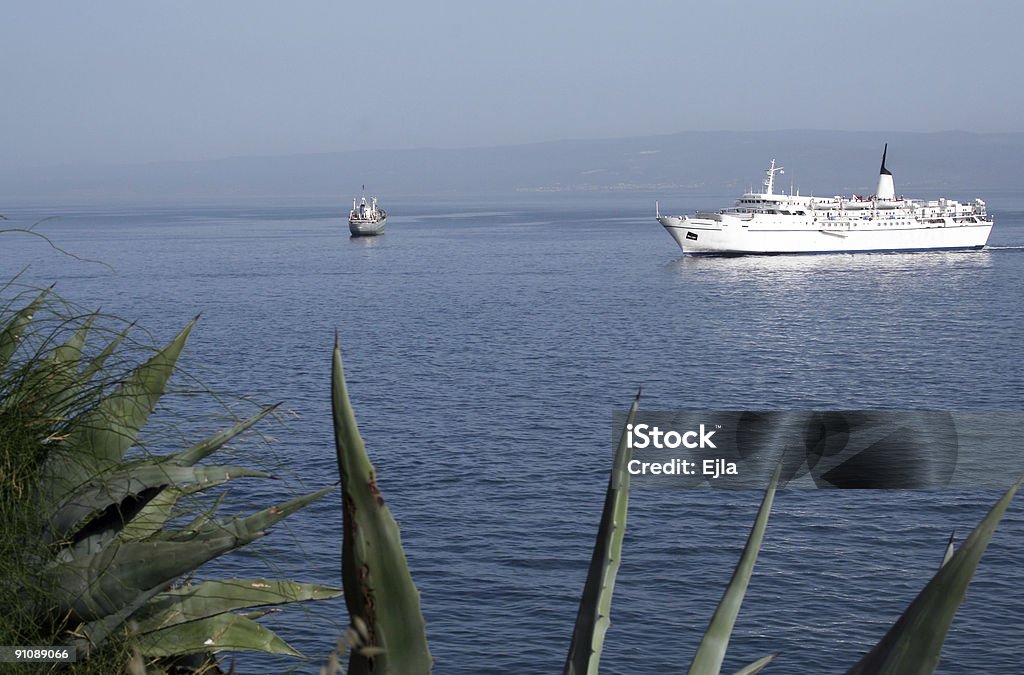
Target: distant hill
pixel 817 162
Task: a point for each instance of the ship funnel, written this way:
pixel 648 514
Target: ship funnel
pixel 886 189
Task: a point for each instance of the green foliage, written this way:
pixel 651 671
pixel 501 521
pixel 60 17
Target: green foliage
pixel 383 602
pixel 711 652
pixel 594 615
pixel 379 591
pixel 100 541
pixel 756 666
pixel 914 643
pixel 912 646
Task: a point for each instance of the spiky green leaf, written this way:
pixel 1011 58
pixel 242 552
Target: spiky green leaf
pixel 949 550
pixel 914 643
pixel 711 652
pixel 253 526
pixel 94 634
pixel 209 598
pixel 375 574
pixel 113 489
pixel 756 666
pixel 223 632
pixel 102 583
pixel 98 438
pixel 96 364
pixel 56 380
pixel 210 445
pixel 594 614
pixel 153 516
pixel 12 333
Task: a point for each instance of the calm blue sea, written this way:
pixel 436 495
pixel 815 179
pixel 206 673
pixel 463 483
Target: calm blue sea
pixel 488 341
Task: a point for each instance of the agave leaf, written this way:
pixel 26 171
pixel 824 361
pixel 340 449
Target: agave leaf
pixel 111 490
pixel 97 363
pixel 254 526
pixel 209 598
pixel 711 652
pixel 10 336
pixel 756 666
pixel 223 632
pixel 593 616
pixel 49 381
pixel 102 583
pixel 913 644
pixel 98 438
pixel 949 550
pixel 213 443
pixel 52 381
pixel 134 515
pixel 152 517
pixel 95 633
pixel 375 574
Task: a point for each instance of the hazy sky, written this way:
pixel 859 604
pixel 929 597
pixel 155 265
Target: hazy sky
pixel 143 81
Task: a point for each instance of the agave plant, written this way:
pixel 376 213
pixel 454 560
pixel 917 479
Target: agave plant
pixel 912 646
pixel 386 626
pixel 113 550
pixel 383 603
pixel 594 615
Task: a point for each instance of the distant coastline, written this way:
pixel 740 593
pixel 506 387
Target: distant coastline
pixel 717 162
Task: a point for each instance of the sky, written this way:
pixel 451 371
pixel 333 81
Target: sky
pixel 117 81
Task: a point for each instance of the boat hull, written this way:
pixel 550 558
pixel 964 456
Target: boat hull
pixel 366 228
pixel 736 236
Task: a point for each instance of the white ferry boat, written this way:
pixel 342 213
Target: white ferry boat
pixel 366 220
pixel 769 223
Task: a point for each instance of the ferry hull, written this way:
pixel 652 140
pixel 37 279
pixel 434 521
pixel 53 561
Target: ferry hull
pixel 366 228
pixel 739 237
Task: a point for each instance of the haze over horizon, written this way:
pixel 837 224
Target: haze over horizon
pixel 119 82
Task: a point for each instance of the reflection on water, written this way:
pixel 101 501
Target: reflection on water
pixel 838 263
pixel 366 242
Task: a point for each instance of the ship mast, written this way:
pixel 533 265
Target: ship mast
pixel 769 178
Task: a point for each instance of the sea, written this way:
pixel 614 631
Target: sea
pixel 488 342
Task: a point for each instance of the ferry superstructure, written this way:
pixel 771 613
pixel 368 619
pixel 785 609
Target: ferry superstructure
pixel 769 223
